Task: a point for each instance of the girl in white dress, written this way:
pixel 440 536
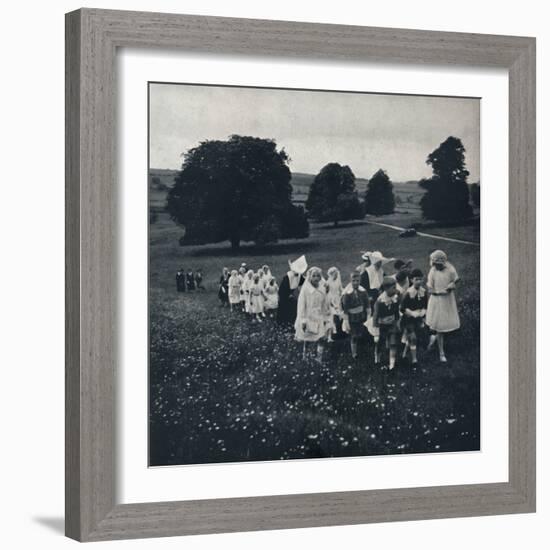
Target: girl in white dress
pixel 265 275
pixel 234 289
pixel 313 320
pixel 271 292
pixel 242 278
pixel 246 286
pixel 335 291
pixel 442 314
pixel 257 297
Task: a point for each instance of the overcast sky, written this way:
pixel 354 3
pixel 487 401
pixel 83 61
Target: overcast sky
pixel 364 131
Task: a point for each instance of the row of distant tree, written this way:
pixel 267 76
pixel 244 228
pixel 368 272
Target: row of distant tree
pixel 240 190
pixel 333 196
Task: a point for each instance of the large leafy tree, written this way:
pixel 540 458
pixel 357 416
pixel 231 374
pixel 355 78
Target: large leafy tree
pixel 379 198
pixel 332 195
pixel 236 190
pixel 475 194
pixel 447 197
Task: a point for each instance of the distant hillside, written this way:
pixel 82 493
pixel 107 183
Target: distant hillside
pixel 407 194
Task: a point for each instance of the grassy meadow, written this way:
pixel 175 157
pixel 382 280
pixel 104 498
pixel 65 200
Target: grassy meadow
pixel 226 389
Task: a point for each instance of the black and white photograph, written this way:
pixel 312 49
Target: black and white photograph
pixel 314 274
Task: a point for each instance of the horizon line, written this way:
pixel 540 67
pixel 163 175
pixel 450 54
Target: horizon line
pixel 411 180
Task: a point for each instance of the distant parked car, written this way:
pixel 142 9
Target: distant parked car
pixel 411 232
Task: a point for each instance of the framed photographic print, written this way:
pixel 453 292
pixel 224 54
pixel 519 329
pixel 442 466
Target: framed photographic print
pixel 296 265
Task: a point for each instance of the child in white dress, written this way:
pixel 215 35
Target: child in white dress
pixel 242 278
pixel 265 275
pixel 257 297
pixel 246 286
pixel 442 314
pixel 234 289
pixel 271 292
pixel 313 321
pixel 335 291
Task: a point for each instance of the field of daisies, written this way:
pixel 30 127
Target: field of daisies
pixel 226 389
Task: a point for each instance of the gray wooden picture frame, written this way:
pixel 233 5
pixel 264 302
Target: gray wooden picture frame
pixel 92 39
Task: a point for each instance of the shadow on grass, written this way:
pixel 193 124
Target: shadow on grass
pixel 343 225
pixel 278 249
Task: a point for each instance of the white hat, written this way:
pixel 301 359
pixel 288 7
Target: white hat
pixel 365 255
pixel 298 266
pixel 376 256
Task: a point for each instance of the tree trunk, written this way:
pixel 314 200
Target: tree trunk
pixel 235 243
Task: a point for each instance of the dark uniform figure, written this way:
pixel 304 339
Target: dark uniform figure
pixel 223 290
pixel 180 280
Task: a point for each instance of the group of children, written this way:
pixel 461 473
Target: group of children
pixel 254 292
pixel 393 309
pixel 189 281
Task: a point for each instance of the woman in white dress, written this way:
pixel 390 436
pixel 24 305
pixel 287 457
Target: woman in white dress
pixel 335 291
pixel 375 272
pixel 442 314
pixel 313 321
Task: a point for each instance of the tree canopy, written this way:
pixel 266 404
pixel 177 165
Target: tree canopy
pixel 379 198
pixel 447 197
pixel 332 195
pixel 237 190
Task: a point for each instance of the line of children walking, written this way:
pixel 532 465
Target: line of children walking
pixel 392 309
pixel 386 307
pixel 255 293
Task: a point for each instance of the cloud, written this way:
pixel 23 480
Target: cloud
pixel 366 131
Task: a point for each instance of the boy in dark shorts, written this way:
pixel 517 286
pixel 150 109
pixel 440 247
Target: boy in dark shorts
pixel 355 303
pixel 385 320
pixel 414 304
